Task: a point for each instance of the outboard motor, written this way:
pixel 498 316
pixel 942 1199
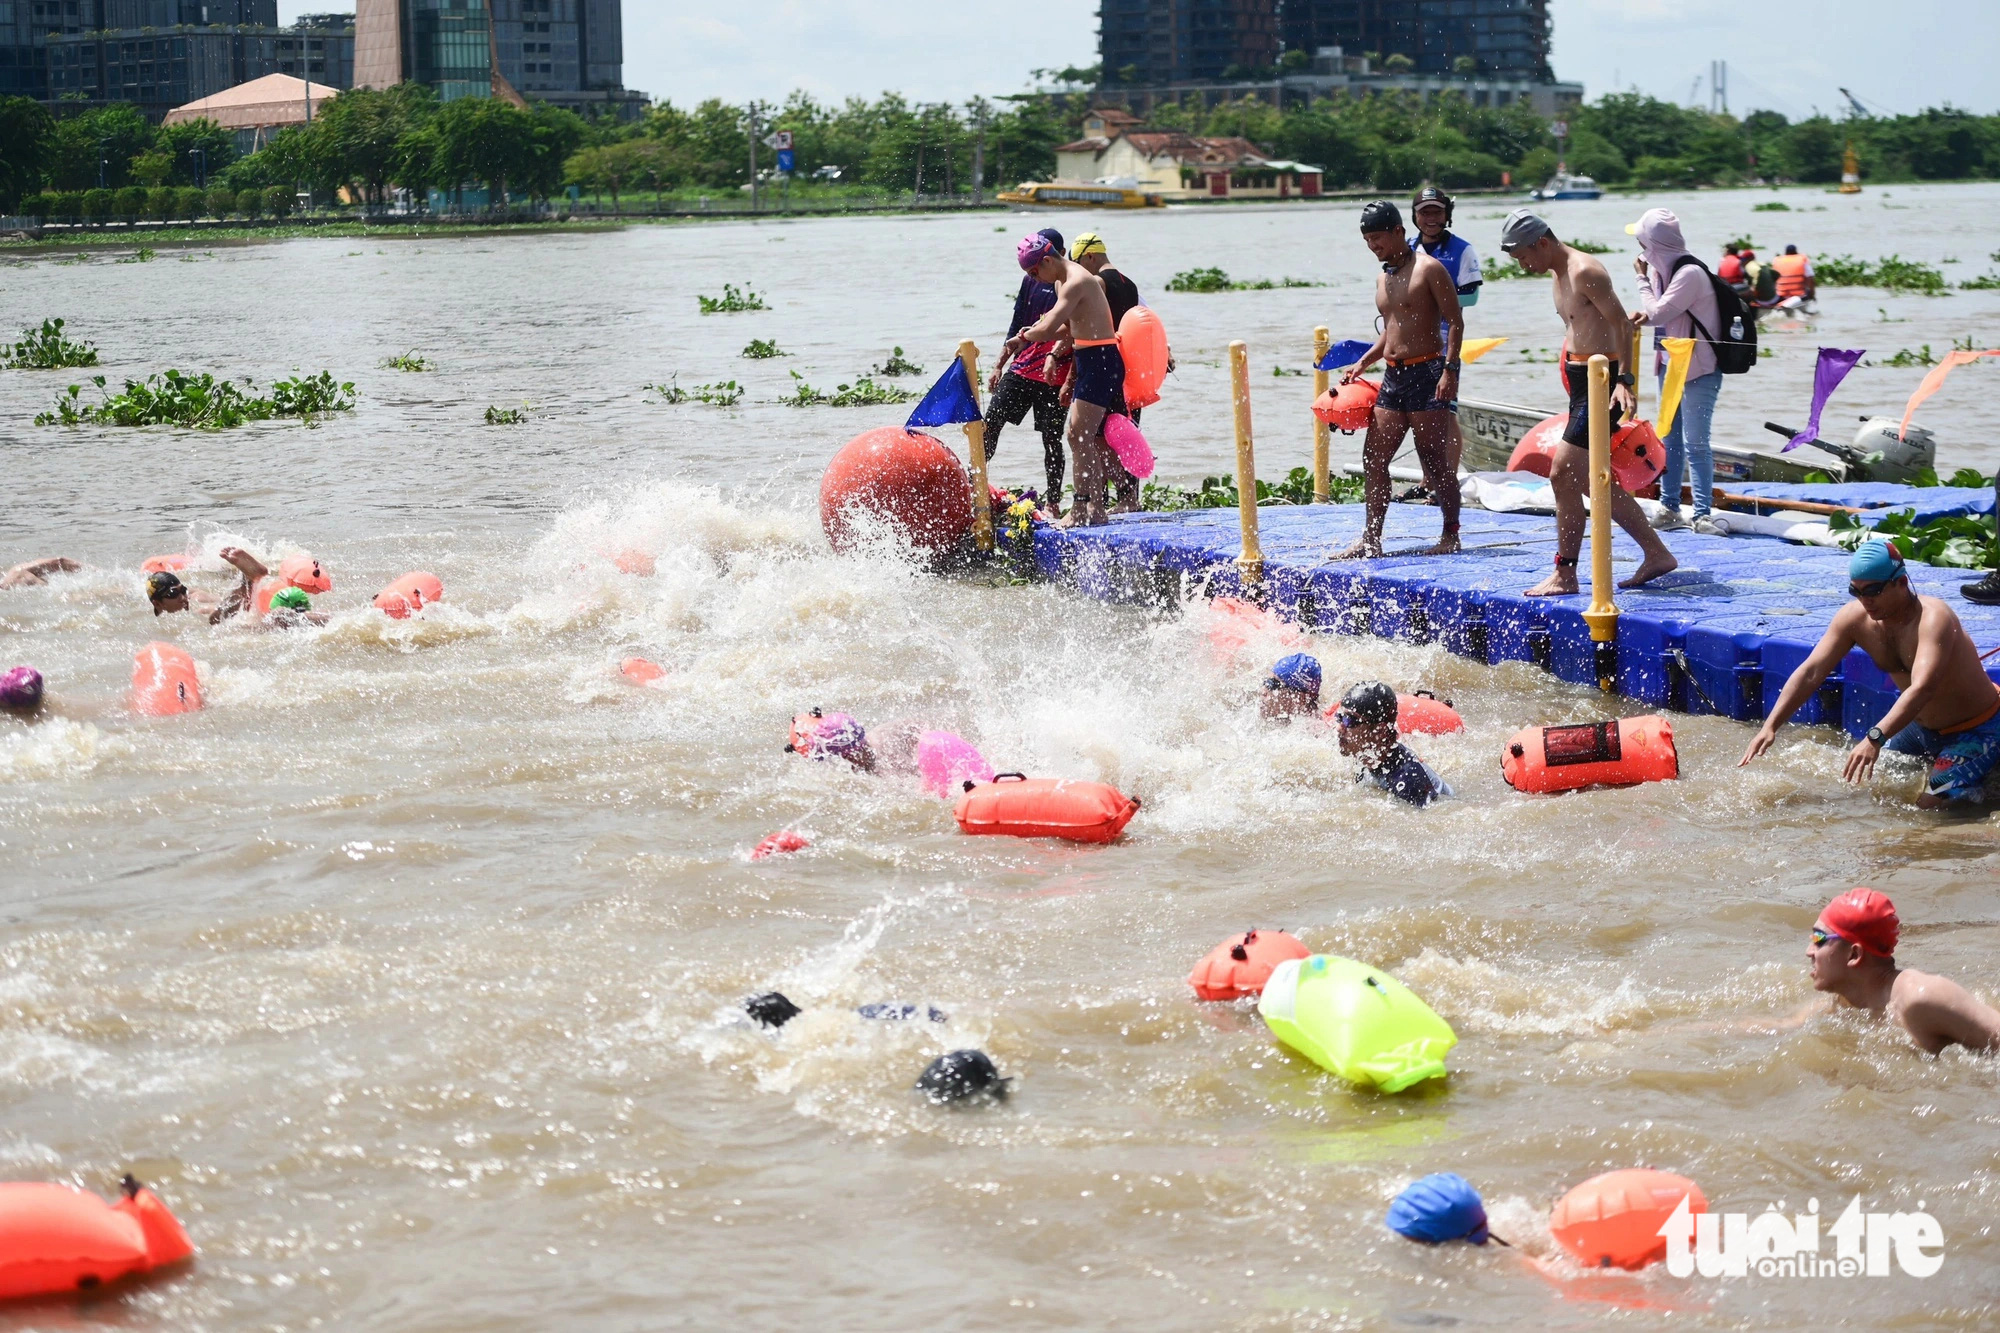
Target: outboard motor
pixel 1876 454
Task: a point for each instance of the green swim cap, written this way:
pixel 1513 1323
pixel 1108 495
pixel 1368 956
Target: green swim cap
pixel 291 599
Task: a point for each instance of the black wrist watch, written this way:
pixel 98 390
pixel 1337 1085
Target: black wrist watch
pixel 1875 736
pixel 1628 381
pixel 1451 365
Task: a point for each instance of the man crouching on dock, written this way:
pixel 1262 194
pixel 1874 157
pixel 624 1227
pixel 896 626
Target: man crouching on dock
pixel 1098 386
pixel 1418 299
pixel 1595 325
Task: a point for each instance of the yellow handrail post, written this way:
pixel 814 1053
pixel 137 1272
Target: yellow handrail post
pixel 1602 617
pixel 1322 433
pixel 1250 564
pixel 975 435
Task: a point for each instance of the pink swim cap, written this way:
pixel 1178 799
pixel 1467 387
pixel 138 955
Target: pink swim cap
pixel 21 690
pixel 1033 250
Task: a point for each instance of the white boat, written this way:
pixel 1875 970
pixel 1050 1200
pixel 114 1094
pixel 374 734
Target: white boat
pixel 1562 185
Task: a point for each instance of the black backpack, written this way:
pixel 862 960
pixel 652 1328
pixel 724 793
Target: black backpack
pixel 1735 343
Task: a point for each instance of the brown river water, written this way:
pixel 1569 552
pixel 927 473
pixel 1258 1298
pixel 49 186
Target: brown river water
pixel 410 970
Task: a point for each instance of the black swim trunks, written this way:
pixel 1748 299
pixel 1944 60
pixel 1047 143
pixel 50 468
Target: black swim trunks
pixel 1413 388
pixel 1100 377
pixel 1578 430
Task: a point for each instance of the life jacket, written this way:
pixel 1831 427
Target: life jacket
pixel 1730 270
pixel 1791 275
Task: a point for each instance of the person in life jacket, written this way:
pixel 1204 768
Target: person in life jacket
pixel 1795 275
pixel 1432 209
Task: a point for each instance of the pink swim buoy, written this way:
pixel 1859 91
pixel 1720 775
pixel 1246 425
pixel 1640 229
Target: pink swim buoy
pixel 1122 434
pixel 946 762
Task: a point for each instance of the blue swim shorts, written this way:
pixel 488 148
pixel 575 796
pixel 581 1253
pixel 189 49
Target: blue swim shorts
pixel 1960 761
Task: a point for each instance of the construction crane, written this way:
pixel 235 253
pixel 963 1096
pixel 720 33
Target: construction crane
pixel 1854 105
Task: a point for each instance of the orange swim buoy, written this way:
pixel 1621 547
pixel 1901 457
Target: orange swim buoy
pixel 412 592
pixel 1614 1220
pixel 641 672
pixel 1424 714
pixel 636 563
pixel 1239 967
pixel 164 564
pixel 303 572
pixel 1237 622
pixel 56 1240
pixel 1025 807
pixel 778 844
pixel 1612 754
pixel 899 477
pixel 1637 456
pixel 1348 407
pixel 1142 343
pixel 164 681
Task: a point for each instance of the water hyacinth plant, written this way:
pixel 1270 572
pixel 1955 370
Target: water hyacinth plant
pixel 762 349
pixel 864 392
pixel 1216 280
pixel 731 301
pixel 47 348
pixel 897 365
pixel 506 416
pixel 198 402
pixel 409 362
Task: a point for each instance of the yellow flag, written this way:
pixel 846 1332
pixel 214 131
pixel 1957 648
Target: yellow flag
pixel 1680 351
pixel 1474 348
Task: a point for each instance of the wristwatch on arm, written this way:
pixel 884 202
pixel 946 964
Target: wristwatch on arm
pixel 1875 737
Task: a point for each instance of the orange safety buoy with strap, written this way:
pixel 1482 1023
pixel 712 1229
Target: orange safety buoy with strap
pixel 1349 407
pixel 1536 452
pixel 1614 1220
pixel 412 592
pixel 164 681
pixel 1240 966
pixel 1623 753
pixel 164 564
pixel 1424 714
pixel 55 1240
pixel 1142 343
pixel 1637 456
pixel 1024 807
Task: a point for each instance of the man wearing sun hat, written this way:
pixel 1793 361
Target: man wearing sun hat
pixel 1949 710
pixel 1852 954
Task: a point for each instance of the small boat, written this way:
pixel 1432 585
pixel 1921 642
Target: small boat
pixel 1082 194
pixel 1562 185
pixel 1491 430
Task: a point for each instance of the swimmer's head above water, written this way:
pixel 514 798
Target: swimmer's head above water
pixel 1292 688
pixel 21 690
pixel 166 592
pixel 1857 930
pixel 1367 719
pixel 822 735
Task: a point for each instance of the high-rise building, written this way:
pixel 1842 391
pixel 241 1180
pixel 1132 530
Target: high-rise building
pixel 1504 37
pixel 447 44
pixel 568 52
pixel 1173 41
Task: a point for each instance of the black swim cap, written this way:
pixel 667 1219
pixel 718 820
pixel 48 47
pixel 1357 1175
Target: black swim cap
pixel 1381 215
pixel 956 1075
pixel 1370 703
pixel 1431 194
pixel 1055 237
pixel 163 587
pixel 772 1010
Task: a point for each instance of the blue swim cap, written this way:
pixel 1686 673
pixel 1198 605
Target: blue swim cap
pixel 1438 1208
pixel 1297 672
pixel 1875 560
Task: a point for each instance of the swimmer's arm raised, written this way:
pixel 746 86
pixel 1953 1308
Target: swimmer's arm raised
pixel 1811 673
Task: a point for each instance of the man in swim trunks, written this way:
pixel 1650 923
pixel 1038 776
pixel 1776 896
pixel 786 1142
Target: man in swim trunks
pixel 1098 384
pixel 1949 711
pixel 1422 328
pixel 1852 954
pixel 1595 325
pixel 35 573
pixel 1432 212
pixel 1367 722
pixel 1291 690
pixel 1122 294
pixel 170 596
pixel 1031 380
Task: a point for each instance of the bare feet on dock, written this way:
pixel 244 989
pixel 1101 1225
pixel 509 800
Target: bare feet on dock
pixel 1650 569
pixel 1446 546
pixel 1129 505
pixel 1083 516
pixel 1363 549
pixel 1562 583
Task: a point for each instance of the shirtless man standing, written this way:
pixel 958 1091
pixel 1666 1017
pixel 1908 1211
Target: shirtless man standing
pixel 1418 298
pixel 1595 325
pixel 1949 711
pixel 1098 377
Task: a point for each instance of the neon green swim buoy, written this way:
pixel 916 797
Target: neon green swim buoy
pixel 1355 1021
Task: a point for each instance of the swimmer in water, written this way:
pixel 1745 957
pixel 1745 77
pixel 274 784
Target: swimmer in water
pixel 819 735
pixel 21 691
pixel 291 608
pixel 35 573
pixel 170 596
pixel 1367 722
pixel 1949 710
pixel 1852 954
pixel 1098 383
pixel 1291 690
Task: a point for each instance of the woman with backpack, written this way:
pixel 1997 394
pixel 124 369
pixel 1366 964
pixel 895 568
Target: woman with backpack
pixel 1677 297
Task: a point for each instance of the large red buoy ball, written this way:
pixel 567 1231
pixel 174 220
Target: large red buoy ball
pixel 899 477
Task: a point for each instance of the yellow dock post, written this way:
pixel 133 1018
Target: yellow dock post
pixel 1602 617
pixel 975 435
pixel 1250 564
pixel 1322 433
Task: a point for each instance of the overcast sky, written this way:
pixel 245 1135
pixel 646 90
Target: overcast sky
pixel 1900 57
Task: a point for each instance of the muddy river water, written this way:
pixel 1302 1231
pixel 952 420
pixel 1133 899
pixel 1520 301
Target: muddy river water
pixel 410 970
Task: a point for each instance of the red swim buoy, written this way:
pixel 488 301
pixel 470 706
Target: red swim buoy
pixel 1348 407
pixel 1240 966
pixel 303 572
pixel 1611 754
pixel 164 564
pixel 56 1240
pixel 164 681
pixel 1024 807
pixel 1536 452
pixel 1637 456
pixel 900 477
pixel 779 843
pixel 1614 1220
pixel 641 672
pixel 1424 714
pixel 412 592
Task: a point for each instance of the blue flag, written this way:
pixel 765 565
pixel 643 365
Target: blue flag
pixel 1343 354
pixel 950 401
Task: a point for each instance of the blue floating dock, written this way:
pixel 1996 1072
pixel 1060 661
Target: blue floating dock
pixel 1719 635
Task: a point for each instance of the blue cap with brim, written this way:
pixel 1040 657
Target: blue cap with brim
pixel 1439 1208
pixel 1875 561
pixel 1298 672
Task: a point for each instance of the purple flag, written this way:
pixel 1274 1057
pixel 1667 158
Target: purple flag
pixel 1834 363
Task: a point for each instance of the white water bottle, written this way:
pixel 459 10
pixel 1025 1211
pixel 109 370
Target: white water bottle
pixel 1736 329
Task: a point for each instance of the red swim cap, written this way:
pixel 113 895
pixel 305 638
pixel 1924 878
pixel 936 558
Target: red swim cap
pixel 1863 917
